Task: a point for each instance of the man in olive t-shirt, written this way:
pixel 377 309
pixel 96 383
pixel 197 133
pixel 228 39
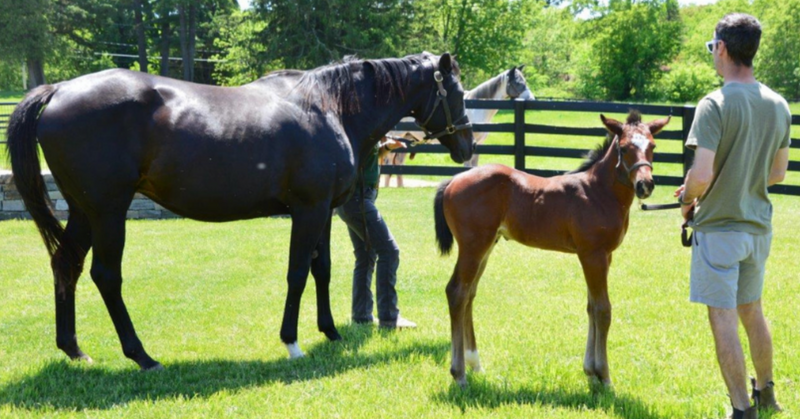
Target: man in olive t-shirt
pixel 741 136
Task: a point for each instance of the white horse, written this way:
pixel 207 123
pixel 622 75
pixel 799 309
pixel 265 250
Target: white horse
pixel 510 84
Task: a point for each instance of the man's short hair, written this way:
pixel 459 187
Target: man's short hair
pixel 742 35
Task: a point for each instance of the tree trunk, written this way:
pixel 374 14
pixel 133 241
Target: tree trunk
pixel 187 34
pixel 140 39
pixel 165 35
pixel 35 72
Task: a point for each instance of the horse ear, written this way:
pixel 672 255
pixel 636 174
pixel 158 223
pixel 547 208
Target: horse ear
pixel 521 67
pixel 612 125
pixel 446 63
pixel 657 125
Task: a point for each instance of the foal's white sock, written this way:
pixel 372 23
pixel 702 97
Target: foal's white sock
pixel 472 359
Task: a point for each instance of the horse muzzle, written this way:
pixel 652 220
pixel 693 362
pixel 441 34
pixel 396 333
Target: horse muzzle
pixel 644 188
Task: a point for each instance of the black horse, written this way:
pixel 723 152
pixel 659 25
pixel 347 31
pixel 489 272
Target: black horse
pixel 288 143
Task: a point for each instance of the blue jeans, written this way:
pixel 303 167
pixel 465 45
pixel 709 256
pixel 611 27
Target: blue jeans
pixel 382 249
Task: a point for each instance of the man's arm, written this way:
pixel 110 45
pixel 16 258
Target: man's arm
pixel 779 166
pixel 700 176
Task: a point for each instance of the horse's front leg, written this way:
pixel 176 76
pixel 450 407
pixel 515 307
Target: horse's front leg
pixel 307 227
pixel 595 269
pixel 321 270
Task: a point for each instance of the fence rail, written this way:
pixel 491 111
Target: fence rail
pixel 520 149
pixel 520 128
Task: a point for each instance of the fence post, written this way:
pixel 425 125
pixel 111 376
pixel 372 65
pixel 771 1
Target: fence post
pixel 519 134
pixel 688 154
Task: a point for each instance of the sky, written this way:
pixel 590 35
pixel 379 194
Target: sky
pixel 245 3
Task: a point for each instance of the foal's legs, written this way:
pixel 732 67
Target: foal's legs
pixel 595 269
pixel 321 270
pixel 471 347
pixel 307 227
pixel 67 264
pixel 460 291
pixel 108 241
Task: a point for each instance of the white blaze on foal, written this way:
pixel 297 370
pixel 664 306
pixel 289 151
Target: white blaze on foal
pixel 640 141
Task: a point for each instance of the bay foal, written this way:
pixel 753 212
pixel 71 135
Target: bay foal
pixel 583 212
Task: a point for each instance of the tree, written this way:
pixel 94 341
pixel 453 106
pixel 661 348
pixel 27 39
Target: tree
pixel 630 44
pixel 24 29
pixel 778 60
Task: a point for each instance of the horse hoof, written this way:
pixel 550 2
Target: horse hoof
pixel 155 367
pixel 82 357
pixel 294 350
pixel 333 335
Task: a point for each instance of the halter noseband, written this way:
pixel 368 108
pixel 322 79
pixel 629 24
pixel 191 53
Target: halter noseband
pixel 441 96
pixel 628 170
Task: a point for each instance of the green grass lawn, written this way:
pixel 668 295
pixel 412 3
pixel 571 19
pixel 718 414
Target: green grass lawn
pixel 207 301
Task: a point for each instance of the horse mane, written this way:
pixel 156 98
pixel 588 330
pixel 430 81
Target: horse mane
pixel 594 156
pixel 335 83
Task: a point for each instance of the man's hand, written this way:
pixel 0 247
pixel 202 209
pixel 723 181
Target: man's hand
pixel 686 210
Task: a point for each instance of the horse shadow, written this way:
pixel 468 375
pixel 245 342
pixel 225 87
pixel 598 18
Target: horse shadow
pixel 482 393
pixel 66 385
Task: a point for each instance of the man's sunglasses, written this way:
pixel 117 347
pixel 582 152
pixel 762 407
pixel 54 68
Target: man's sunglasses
pixel 710 45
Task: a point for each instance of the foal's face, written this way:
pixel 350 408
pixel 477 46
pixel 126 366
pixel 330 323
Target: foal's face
pixel 637 144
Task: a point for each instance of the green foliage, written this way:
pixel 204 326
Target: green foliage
pixel 10 74
pixel 549 50
pixel 309 33
pixel 241 46
pixel 629 45
pixel 778 61
pixel 486 35
pixel 685 83
pixel 24 29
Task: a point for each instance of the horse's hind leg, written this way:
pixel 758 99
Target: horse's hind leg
pixel 108 241
pixel 308 225
pixel 67 264
pixel 595 269
pixel 321 270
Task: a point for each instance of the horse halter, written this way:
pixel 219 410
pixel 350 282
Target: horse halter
pixel 628 170
pixel 441 96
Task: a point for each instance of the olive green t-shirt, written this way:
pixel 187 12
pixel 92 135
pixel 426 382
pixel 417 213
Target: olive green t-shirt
pixel 744 124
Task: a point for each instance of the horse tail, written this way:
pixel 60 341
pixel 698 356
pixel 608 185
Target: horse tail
pixel 444 237
pixel 24 157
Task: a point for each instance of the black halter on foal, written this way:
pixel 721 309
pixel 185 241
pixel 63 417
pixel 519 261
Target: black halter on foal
pixel 441 96
pixel 628 170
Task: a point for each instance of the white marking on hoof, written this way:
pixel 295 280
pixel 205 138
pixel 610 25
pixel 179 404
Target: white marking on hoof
pixel 294 350
pixel 472 359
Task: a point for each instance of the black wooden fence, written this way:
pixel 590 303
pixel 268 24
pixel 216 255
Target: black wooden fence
pixel 520 149
pixel 5 112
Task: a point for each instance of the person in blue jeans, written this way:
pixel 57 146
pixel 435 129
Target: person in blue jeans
pixel 373 245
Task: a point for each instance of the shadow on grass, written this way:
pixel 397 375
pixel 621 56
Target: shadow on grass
pixel 66 385
pixel 483 394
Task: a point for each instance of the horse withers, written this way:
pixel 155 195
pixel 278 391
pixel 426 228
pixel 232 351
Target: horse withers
pixel 583 212
pixel 288 143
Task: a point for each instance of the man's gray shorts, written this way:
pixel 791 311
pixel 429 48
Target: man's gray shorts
pixel 728 267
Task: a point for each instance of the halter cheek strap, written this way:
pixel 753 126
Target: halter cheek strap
pixel 441 96
pixel 624 177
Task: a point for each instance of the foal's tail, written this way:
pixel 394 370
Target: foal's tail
pixel 24 157
pixel 444 237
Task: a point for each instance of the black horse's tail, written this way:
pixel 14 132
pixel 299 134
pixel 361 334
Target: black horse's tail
pixel 24 157
pixel 444 237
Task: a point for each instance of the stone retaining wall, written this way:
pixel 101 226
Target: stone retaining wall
pixel 12 207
